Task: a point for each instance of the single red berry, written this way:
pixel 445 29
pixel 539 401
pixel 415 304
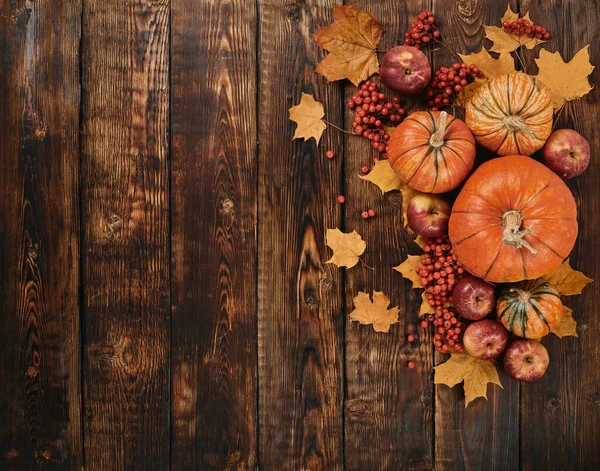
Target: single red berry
pixel 411 365
pixel 364 214
pixel 330 154
pixel 410 338
pixel 341 199
pixel 371 212
pixel 364 169
pixel 423 324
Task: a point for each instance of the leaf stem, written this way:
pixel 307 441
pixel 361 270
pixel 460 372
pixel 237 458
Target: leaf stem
pixel 337 127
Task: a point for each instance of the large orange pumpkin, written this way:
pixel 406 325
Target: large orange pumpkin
pixel 431 151
pixel 514 219
pixel 511 114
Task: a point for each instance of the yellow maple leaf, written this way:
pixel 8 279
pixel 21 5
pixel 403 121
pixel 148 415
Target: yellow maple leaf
pixel 376 312
pixel 567 327
pixel 425 308
pixel 384 177
pixel 421 241
pixel 351 40
pixel 566 280
pixel 347 248
pixel 507 42
pixel 491 68
pixel 566 81
pixel 407 269
pixel 475 373
pixel 308 114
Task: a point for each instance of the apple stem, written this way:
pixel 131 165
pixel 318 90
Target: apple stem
pixel 511 221
pixel 437 138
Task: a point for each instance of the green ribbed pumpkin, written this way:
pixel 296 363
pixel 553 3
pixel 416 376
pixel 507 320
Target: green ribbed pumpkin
pixel 530 309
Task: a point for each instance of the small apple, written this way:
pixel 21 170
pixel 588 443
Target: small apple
pixel 526 360
pixel 428 215
pixel 567 153
pixel 405 70
pixel 485 339
pixel 473 298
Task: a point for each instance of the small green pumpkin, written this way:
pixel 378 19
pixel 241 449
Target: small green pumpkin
pixel 530 309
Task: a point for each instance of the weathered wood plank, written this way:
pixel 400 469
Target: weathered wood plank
pixel 388 408
pixel 214 166
pixel 40 403
pixel 486 434
pixel 300 314
pixel 126 234
pixel 560 413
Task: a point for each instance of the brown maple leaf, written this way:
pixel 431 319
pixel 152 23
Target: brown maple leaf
pixel 566 81
pixel 566 280
pixel 347 248
pixel 376 312
pixel 407 269
pixel 475 373
pixel 351 40
pixel 567 327
pixel 308 114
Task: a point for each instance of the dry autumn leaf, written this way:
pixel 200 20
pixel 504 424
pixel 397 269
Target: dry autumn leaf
pixel 384 177
pixel 566 81
pixel 351 40
pixel 376 312
pixel 475 373
pixel 308 114
pixel 490 67
pixel 425 308
pixel 347 248
pixel 566 280
pixel 407 269
pixel 567 327
pixel 507 42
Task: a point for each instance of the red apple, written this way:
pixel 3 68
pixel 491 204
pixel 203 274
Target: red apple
pixel 485 339
pixel 428 215
pixel 405 70
pixel 526 360
pixel 473 298
pixel 567 153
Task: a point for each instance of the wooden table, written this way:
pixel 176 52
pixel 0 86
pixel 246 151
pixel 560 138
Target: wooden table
pixel 164 297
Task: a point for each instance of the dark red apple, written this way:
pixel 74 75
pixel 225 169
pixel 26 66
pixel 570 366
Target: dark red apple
pixel 428 215
pixel 405 70
pixel 567 153
pixel 526 360
pixel 473 298
pixel 485 339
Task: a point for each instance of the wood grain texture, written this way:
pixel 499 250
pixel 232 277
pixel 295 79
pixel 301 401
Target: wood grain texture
pixel 560 414
pixel 214 165
pixel 486 434
pixel 388 408
pixel 39 236
pixel 300 314
pixel 126 234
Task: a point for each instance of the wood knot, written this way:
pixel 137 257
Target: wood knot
pixel 292 11
pixel 32 372
pixel 554 402
pixel 358 409
pixel 582 326
pixel 467 7
pixel 227 206
pixel 113 229
pixel 12 454
pixel 46 454
pixel 32 251
pixel 40 130
pixel 310 298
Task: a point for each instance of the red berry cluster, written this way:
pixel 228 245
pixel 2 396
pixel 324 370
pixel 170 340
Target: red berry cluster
pixel 422 30
pixel 448 81
pixel 372 110
pixel 447 328
pixel 523 26
pixel 440 271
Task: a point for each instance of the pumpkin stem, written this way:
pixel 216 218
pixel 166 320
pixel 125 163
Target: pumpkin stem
pixel 511 221
pixel 523 295
pixel 437 138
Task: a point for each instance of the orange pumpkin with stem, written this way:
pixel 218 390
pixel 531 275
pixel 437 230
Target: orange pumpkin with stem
pixel 511 114
pixel 514 219
pixel 431 151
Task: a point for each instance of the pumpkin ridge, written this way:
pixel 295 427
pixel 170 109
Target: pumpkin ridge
pixel 493 263
pixel 466 190
pixel 482 214
pixel 523 262
pixel 533 87
pixel 473 235
pixel 437 165
pixel 495 100
pixel 421 164
pixel 507 95
pixel 419 122
pixel 546 245
pixel 479 110
pixel 433 125
pixel 502 142
pixel 412 148
pixel 458 155
pixel 548 292
pixel 534 196
pixel 533 304
pixel 517 141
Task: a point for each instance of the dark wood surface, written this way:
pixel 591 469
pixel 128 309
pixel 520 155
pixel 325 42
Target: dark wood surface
pixel 164 294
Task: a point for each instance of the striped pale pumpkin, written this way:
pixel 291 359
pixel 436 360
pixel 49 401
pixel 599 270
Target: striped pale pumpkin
pixel 530 309
pixel 511 114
